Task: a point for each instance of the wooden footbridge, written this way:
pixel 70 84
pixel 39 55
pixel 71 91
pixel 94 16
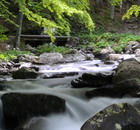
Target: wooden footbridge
pixel 44 38
pixel 36 39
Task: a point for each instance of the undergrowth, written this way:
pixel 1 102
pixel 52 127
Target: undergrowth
pixel 52 48
pixel 116 41
pixel 12 54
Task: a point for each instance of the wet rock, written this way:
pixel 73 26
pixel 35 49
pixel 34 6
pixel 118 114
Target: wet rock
pixel 51 58
pixel 137 52
pixel 58 75
pixel 5 67
pixel 28 58
pixel 19 107
pixel 25 73
pixel 74 57
pixel 126 70
pixel 129 87
pixel 132 46
pixel 126 88
pixel 115 57
pixel 109 62
pixel 107 50
pixel 36 68
pixel 36 123
pixel 127 78
pixel 137 59
pixel 93 80
pixel 101 92
pixel 115 117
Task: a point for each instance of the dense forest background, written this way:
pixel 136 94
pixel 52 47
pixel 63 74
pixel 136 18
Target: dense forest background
pixel 97 23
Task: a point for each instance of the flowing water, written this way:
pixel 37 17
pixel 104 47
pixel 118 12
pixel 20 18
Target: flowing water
pixel 78 107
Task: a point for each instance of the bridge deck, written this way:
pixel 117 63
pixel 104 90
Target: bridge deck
pixel 44 38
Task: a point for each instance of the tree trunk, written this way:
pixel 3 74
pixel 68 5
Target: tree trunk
pixel 108 3
pixel 121 5
pixel 112 12
pixel 19 28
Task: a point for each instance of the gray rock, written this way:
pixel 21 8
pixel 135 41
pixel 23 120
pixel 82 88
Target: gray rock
pixel 115 57
pixel 93 80
pixel 137 52
pixel 19 107
pixel 107 50
pixel 126 70
pixel 25 73
pixel 115 117
pixel 132 46
pixel 51 58
pixel 36 123
pixel 74 57
pixel 28 58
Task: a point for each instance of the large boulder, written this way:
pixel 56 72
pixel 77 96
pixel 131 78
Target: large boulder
pixel 129 88
pixel 25 73
pixel 19 107
pixel 115 117
pixel 78 56
pixel 127 78
pixel 126 70
pixel 28 58
pixel 51 58
pixel 93 80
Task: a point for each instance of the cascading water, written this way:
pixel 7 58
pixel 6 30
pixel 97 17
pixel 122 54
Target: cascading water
pixel 79 108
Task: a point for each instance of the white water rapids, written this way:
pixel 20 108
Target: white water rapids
pixel 79 108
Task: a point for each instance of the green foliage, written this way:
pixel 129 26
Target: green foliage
pixel 115 2
pixel 5 12
pixel 2 36
pixel 12 54
pixel 58 10
pixel 134 10
pixel 101 40
pixel 52 48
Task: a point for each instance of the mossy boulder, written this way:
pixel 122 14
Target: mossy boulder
pixel 127 78
pixel 18 107
pixel 92 80
pixel 126 70
pixel 25 73
pixel 115 117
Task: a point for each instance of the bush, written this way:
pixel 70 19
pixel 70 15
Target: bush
pixel 3 37
pixel 97 41
pixel 12 54
pixel 52 48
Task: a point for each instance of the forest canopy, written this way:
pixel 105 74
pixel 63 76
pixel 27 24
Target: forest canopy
pixel 49 13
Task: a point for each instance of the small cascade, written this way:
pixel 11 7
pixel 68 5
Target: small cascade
pixel 84 66
pixel 78 111
pixel 78 107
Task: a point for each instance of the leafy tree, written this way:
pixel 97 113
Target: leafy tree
pixel 50 13
pixel 134 10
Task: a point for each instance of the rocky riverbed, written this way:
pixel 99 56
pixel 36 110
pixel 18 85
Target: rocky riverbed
pixel 99 78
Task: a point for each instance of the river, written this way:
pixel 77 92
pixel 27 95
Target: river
pixel 78 107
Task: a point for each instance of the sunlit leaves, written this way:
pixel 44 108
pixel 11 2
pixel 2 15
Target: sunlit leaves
pixel 51 13
pixel 59 9
pixel 134 10
pixel 5 14
pixel 115 2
